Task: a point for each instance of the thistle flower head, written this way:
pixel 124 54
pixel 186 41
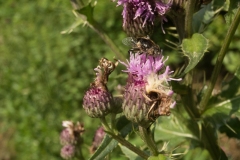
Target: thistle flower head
pixel 139 15
pixel 148 93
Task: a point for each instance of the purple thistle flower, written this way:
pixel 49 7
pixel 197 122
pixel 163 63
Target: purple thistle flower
pixel 148 93
pixel 139 15
pixel 161 8
pixel 140 7
pixel 141 65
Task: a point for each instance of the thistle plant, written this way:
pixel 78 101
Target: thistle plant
pixel 161 113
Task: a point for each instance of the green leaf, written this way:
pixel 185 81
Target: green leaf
pixel 197 154
pixel 206 14
pixel 170 128
pixel 230 104
pixel 219 113
pixel 159 157
pixel 231 128
pixel 194 49
pixel 231 88
pixel 124 127
pixel 130 154
pixel 84 15
pixel 107 145
pixel 231 11
pixel 88 12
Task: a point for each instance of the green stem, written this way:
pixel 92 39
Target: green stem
pixel 122 141
pixel 79 154
pixel 148 139
pixel 113 118
pixel 217 68
pixel 190 7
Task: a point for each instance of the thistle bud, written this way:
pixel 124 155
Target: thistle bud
pixel 98 101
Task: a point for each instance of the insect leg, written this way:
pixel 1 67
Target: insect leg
pixel 150 110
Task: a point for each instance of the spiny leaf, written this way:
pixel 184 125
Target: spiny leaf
pixel 84 15
pixel 194 48
pixel 205 15
pixel 88 12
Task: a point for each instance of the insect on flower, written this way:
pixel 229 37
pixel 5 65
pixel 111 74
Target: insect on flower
pixel 142 45
pixel 160 105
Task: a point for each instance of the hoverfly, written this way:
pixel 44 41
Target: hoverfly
pixel 142 45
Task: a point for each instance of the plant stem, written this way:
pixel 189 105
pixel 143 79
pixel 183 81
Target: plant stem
pixel 190 7
pixel 222 53
pixel 79 154
pixel 148 139
pixel 122 140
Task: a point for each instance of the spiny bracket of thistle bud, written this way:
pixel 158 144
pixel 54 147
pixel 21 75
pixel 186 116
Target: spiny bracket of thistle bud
pixel 98 101
pixel 72 133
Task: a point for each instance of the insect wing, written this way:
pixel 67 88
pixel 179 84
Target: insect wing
pixel 129 41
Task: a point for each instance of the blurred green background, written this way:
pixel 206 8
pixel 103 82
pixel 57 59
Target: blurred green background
pixel 44 74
